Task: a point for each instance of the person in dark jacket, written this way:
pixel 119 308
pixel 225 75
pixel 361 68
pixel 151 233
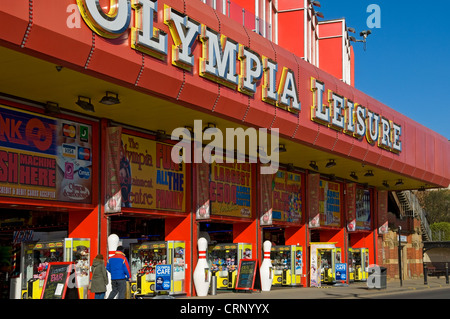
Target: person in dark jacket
pixel 119 269
pixel 99 277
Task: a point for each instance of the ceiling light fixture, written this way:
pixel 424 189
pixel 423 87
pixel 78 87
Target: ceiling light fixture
pixel 369 173
pixel 330 164
pixel 354 176
pixel 211 127
pixel 400 182
pixel 281 148
pixel 110 98
pixel 85 103
pixel 385 184
pixel 314 166
pixel 52 108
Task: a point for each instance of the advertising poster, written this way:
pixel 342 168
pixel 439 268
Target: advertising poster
pixel 287 197
pixel 230 189
pixel 313 199
pixel 329 203
pixel 351 206
pixel 44 158
pixel 149 178
pixel 363 214
pixel 382 212
pixel 266 194
pixel 114 152
pixel 202 190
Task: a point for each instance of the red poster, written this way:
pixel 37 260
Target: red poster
pixel 382 212
pixel 350 198
pixel 114 152
pixel 313 199
pixel 202 171
pixel 266 199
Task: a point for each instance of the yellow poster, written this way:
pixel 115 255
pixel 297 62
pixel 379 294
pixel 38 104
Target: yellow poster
pixel 149 178
pixel 230 189
pixel 287 197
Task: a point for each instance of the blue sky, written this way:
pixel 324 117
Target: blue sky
pixel 406 64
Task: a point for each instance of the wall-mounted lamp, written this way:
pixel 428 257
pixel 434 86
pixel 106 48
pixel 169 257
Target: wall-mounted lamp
pixel 354 176
pixel 160 135
pixel 85 103
pixel 369 173
pixel 314 166
pixel 330 164
pixel 315 3
pixel 281 148
pixel 211 127
pixel 52 108
pixel 385 184
pixel 110 98
pixel 290 167
pixel 400 182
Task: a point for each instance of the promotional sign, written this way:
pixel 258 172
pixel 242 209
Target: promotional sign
pixel 363 213
pixel 149 178
pixel 313 199
pixel 248 277
pixel 341 272
pixel 383 212
pixel 350 189
pixel 114 152
pixel 57 280
pixel 44 158
pixel 329 203
pixel 163 277
pixel 287 197
pixel 266 194
pixel 230 189
pixel 202 171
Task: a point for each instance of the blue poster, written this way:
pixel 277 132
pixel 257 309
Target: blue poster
pixel 341 272
pixel 163 277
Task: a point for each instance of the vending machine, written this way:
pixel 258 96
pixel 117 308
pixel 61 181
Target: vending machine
pixel 287 263
pixel 361 263
pixel 224 262
pixel 35 257
pixel 145 256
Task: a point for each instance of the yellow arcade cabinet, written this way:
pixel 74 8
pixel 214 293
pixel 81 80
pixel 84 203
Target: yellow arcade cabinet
pixel 224 262
pixel 37 255
pixel 287 263
pixel 361 263
pixel 146 255
pixel 351 266
pixel 327 258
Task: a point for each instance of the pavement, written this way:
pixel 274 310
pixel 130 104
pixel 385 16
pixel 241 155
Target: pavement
pixel 356 290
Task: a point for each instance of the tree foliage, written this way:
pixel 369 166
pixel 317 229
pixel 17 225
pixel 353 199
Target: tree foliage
pixel 440 231
pixel 436 204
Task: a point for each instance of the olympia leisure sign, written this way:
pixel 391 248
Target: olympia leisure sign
pixel 236 66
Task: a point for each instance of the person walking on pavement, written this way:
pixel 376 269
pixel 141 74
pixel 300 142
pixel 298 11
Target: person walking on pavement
pixel 119 269
pixel 99 277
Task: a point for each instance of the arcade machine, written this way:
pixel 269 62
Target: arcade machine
pixel 327 259
pixel 287 263
pixel 143 260
pixel 224 261
pixel 361 259
pixel 36 256
pixel 351 266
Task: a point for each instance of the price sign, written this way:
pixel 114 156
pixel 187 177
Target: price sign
pixel 57 280
pixel 248 275
pixel 341 272
pixel 163 277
